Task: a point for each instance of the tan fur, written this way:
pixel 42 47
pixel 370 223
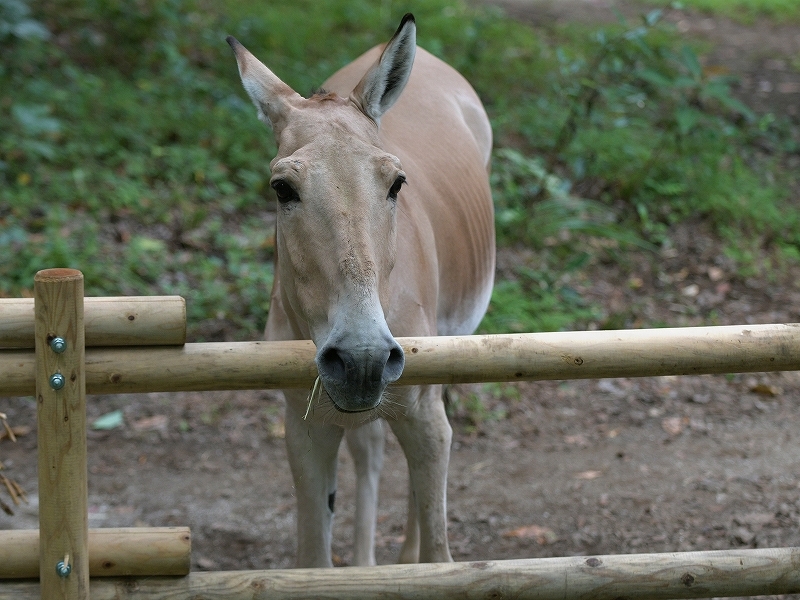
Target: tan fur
pixel 354 268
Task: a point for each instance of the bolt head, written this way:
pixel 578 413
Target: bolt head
pixel 57 381
pixel 62 569
pixel 58 345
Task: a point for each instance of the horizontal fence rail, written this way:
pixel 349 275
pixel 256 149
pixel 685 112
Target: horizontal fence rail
pixel 113 552
pixel 633 577
pixel 457 359
pixel 114 321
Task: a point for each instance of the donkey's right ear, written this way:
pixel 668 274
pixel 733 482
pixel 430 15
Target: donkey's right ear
pixel 272 97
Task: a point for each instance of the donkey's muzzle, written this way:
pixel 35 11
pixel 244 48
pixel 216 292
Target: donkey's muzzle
pixel 355 376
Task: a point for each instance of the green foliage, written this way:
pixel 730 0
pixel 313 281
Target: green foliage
pixel 631 114
pixel 534 206
pixel 151 180
pixel 742 10
pixel 16 22
pixel 639 118
pixel 129 151
pixel 475 411
pixel 538 300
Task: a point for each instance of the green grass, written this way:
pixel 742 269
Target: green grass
pixel 128 149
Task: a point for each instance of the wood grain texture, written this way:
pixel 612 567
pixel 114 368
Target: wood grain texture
pixel 459 359
pixel 633 577
pixel 113 552
pixel 61 419
pixel 113 321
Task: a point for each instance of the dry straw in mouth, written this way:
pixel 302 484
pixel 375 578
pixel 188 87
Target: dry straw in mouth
pixel 316 390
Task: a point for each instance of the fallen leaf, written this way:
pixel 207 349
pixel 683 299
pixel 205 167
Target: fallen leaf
pixel 154 423
pixel 207 564
pixel 542 535
pixel 577 440
pixel 691 290
pixel 108 421
pixel 588 475
pixel 765 389
pixel 674 425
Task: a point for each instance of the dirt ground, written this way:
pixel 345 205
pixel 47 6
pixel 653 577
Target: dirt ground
pixel 544 469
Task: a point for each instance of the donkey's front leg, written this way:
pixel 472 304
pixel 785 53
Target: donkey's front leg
pixel 313 450
pixel 366 447
pixel 425 435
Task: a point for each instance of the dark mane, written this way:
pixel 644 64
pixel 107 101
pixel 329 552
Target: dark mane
pixel 323 95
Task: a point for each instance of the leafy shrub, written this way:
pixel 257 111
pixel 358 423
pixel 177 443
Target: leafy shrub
pixel 128 150
pixel 16 22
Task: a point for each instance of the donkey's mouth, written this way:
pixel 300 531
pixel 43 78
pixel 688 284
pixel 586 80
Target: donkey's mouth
pixel 352 419
pixel 356 411
pixel 320 398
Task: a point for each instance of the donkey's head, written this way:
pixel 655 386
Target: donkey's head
pixel 336 233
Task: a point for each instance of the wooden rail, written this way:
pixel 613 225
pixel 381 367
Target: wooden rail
pixel 122 321
pixel 634 576
pixel 458 359
pixel 113 552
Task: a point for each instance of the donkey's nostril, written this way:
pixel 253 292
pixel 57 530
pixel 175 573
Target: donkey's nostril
pixel 394 364
pixel 332 365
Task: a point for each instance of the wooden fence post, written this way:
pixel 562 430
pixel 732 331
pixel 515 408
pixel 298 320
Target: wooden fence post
pixel 61 416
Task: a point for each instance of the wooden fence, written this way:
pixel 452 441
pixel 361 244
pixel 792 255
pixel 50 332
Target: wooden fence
pixel 138 345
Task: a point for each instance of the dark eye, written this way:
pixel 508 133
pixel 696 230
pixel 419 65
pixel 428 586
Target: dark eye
pixel 395 189
pixel 284 191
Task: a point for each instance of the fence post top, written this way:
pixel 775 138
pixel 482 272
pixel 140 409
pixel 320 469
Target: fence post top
pixel 60 274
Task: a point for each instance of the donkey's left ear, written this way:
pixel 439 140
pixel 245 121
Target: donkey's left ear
pixel 381 86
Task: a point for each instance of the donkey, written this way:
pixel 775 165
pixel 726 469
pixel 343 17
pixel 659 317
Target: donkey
pixel 384 228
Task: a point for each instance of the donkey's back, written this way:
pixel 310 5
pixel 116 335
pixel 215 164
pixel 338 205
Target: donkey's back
pixel 439 130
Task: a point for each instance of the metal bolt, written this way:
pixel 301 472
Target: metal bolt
pixel 58 345
pixel 57 381
pixel 63 569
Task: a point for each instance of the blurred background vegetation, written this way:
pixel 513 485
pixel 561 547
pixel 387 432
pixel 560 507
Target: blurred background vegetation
pixel 128 149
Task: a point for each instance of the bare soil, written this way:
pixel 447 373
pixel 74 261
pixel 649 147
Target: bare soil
pixel 544 469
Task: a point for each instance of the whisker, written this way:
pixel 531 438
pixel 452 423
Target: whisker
pixel 389 404
pixel 387 413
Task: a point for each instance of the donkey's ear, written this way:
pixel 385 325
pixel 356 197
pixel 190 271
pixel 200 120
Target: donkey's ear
pixel 385 80
pixel 272 97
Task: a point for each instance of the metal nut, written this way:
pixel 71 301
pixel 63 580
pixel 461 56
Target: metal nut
pixel 57 381
pixel 63 569
pixel 58 344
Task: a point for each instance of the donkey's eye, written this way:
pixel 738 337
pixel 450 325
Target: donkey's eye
pixel 395 189
pixel 284 191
